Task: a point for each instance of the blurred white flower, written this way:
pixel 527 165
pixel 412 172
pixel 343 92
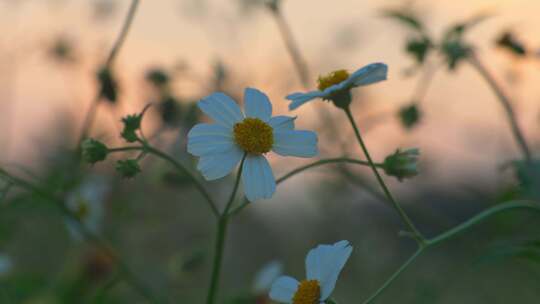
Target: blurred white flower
pixel 323 266
pixel 87 203
pixel 266 276
pixel 6 264
pixel 339 83
pixel 223 144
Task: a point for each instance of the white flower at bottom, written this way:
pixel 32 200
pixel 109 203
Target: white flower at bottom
pixel 266 276
pixel 87 203
pixel 323 266
pixel 223 144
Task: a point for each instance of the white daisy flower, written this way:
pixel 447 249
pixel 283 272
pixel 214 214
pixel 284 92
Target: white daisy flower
pixel 6 264
pixel 323 265
pixel 87 203
pixel 336 83
pixel 266 276
pixel 222 145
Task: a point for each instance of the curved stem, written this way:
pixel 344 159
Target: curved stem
pixel 220 239
pixel 506 103
pixel 89 236
pixel 323 162
pixel 429 243
pixel 416 234
pixel 183 169
pixel 424 82
pixel 394 276
pixel 303 168
pixel 292 47
pixel 91 113
pixel 481 217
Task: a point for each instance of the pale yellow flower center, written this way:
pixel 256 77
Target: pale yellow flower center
pixel 254 136
pixel 82 210
pixel 309 292
pixel 331 79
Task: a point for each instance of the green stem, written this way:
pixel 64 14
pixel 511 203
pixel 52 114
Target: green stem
pixel 394 276
pixel 156 152
pixel 484 215
pixel 89 236
pixel 323 162
pixel 292 48
pixel 221 233
pixel 506 103
pixel 416 234
pixel 91 114
pixel 303 168
pixel 481 217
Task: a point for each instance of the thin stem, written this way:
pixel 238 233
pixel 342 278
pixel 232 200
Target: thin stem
pixel 220 239
pixel 303 168
pixel 394 276
pixel 482 217
pixel 91 114
pixel 292 47
pixel 323 162
pixel 89 236
pixel 424 82
pixel 149 149
pixel 506 103
pixel 445 236
pixel 416 234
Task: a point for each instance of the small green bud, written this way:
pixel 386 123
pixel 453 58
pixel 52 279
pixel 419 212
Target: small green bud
pixel 509 42
pixel 108 85
pixel 455 51
pixel 273 5
pixel 157 77
pixel 402 164
pixel 128 168
pixel 170 111
pixel 409 116
pixel 94 151
pixel 418 48
pixel 132 123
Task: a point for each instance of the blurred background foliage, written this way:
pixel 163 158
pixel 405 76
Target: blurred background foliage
pixel 179 51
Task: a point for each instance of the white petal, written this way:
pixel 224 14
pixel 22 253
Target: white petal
pixel 208 139
pixel 369 74
pixel 324 263
pixel 258 179
pixel 218 165
pixel 282 123
pixel 299 99
pixel 295 143
pixel 257 104
pixel 222 109
pixel 266 276
pixel 283 289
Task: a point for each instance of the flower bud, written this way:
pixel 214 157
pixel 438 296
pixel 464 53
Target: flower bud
pixel 94 151
pixel 132 123
pixel 128 168
pixel 402 164
pixel 409 115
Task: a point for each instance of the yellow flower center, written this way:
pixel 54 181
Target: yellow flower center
pixel 331 79
pixel 309 292
pixel 254 136
pixel 82 210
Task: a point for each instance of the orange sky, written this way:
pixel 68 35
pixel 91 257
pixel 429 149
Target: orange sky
pixel 459 107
